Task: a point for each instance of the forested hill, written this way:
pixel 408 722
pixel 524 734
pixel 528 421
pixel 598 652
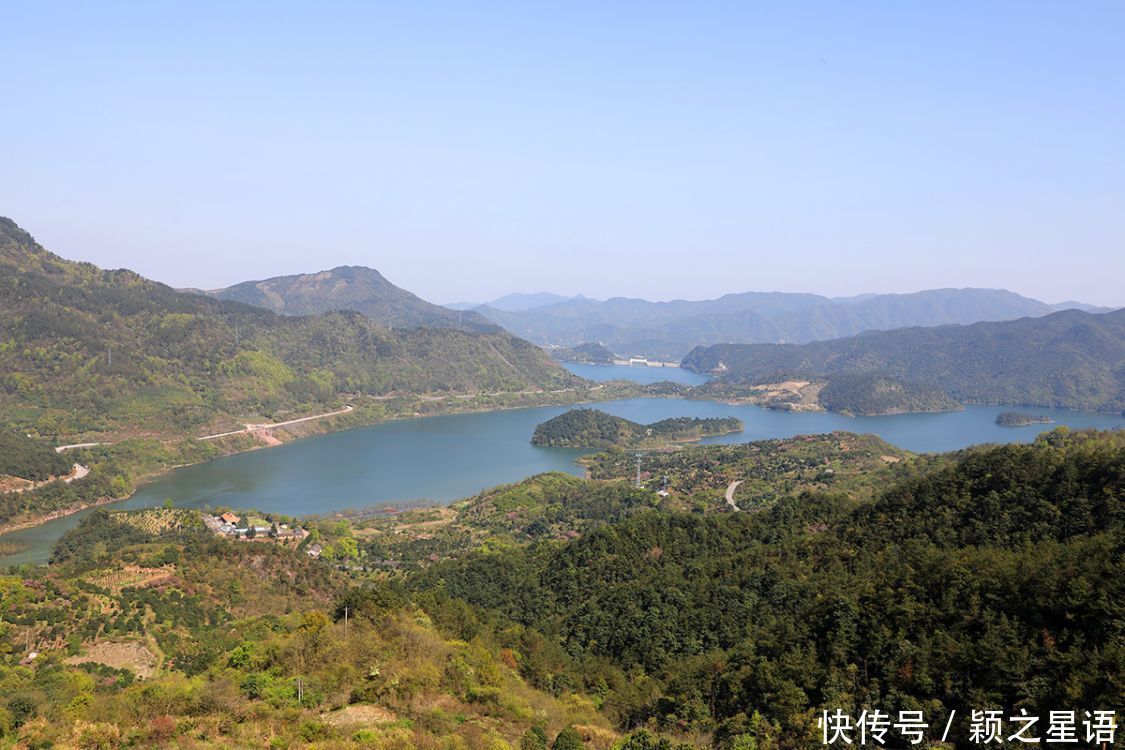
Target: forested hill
pixel 1070 359
pixel 22 457
pixel 988 577
pixel 669 330
pixel 597 613
pixel 86 350
pixel 356 288
pixel 588 353
pixel 593 428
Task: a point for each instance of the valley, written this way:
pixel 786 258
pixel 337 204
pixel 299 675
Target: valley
pixel 562 376
pixel 438 459
pixel 443 546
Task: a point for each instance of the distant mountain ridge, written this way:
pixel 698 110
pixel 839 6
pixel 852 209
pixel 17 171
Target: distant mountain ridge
pixel 517 302
pixel 669 330
pixel 356 288
pixel 1070 359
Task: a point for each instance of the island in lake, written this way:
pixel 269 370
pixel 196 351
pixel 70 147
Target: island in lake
pixel 592 428
pixel 1016 419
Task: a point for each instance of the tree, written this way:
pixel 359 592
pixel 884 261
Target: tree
pixel 568 739
pixel 534 739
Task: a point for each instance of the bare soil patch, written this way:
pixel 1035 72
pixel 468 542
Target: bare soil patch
pixel 132 655
pixel 357 715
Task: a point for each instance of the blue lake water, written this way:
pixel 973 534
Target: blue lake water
pixel 441 459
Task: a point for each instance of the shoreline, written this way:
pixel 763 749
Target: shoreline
pixel 322 427
pixel 316 421
pixel 57 514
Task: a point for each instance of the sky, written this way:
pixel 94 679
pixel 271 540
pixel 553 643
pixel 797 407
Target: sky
pixel 644 149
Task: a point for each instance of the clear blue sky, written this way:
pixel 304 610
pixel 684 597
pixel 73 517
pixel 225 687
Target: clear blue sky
pixel 642 149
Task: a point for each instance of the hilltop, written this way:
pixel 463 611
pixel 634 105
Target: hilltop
pixel 356 288
pixel 1070 359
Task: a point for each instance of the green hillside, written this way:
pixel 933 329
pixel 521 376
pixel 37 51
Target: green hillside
pixel 89 351
pixel 986 577
pixel 870 393
pixel 592 428
pixel 763 471
pixel 26 458
pixel 587 353
pixel 355 288
pixel 863 577
pixel 167 636
pixel 1069 359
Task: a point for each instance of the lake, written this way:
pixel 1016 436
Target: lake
pixel 441 459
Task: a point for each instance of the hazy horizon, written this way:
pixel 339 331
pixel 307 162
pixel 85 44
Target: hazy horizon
pixel 485 300
pixel 772 291
pixel 657 151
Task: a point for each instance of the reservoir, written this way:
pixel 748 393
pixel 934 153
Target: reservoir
pixel 441 459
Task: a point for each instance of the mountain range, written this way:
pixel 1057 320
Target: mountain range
pixel 1070 359
pixel 669 330
pixel 658 330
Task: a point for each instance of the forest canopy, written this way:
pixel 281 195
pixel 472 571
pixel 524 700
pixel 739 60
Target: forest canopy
pixel 593 428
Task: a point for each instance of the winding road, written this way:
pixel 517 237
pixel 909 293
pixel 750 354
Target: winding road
pixel 730 495
pixel 76 472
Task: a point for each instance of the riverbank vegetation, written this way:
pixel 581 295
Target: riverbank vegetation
pixel 114 471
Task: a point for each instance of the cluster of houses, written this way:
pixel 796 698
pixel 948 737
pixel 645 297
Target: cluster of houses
pixel 235 527
pixel 644 362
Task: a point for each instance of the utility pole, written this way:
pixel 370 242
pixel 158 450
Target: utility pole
pixel 638 469
pixel 300 691
pixel 345 623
